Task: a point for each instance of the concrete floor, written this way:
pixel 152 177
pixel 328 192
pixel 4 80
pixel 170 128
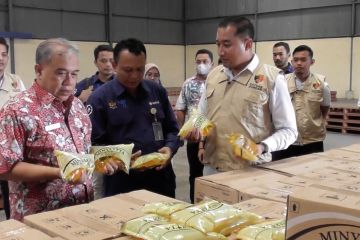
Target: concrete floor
pixel 333 140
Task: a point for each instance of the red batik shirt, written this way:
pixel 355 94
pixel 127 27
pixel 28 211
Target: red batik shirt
pixel 32 125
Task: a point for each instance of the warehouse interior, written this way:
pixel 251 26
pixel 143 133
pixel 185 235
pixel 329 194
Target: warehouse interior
pixel 174 30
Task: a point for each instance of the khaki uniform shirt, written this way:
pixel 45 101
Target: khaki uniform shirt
pixel 11 86
pixel 238 106
pixel 306 103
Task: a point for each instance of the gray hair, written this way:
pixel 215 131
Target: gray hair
pixel 47 48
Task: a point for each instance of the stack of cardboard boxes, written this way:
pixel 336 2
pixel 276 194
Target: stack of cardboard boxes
pixel 322 192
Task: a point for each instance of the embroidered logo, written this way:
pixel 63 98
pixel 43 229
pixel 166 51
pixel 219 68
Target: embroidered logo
pixel 112 105
pixel 259 78
pixel 316 85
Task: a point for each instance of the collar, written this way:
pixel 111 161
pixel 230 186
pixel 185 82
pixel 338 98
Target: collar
pixel 250 67
pixel 46 97
pixel 289 69
pixel 119 88
pixel 96 79
pixel 6 83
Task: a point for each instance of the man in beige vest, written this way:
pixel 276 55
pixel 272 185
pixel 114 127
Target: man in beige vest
pixel 310 96
pixel 244 96
pixel 10 85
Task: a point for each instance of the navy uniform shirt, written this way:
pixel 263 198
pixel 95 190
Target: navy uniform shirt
pixel 91 81
pixel 120 118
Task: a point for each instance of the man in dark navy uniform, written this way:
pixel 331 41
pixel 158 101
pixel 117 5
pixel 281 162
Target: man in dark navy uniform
pixel 133 110
pixel 103 60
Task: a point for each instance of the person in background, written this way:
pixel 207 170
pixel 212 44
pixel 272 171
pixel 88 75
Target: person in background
pixel 244 96
pixel 103 59
pixel 10 86
pixel 188 100
pixel 39 120
pixel 152 73
pixel 310 96
pixel 281 55
pixel 133 110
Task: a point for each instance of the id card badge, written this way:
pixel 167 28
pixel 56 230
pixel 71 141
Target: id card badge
pixel 158 132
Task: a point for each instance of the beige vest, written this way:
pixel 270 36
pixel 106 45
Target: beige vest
pixel 240 106
pixel 306 103
pixel 11 86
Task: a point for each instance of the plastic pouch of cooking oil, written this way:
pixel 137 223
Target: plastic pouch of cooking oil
pixel 196 121
pixel 214 216
pixel 137 227
pixel 164 209
pixel 120 153
pixel 273 230
pixel 150 160
pixel 173 231
pixel 74 166
pixel 243 147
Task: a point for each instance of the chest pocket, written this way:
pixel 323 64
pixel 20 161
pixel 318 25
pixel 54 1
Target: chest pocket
pixel 315 96
pixel 120 115
pixel 253 108
pixel 40 147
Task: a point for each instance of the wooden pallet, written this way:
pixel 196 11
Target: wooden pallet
pixel 344 120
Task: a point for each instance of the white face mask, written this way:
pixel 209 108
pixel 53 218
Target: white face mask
pixel 203 69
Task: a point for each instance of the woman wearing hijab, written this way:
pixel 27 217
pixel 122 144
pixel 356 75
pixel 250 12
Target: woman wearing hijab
pixel 152 73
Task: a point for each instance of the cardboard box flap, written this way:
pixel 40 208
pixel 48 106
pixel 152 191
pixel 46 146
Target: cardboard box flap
pixel 352 148
pixel 340 154
pixel 331 197
pixel 98 219
pixel 54 224
pixel 262 207
pixel 146 197
pixel 11 224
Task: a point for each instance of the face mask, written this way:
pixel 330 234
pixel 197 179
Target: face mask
pixel 203 69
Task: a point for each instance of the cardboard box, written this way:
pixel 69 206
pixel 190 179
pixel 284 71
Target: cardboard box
pixel 265 208
pixel 341 154
pixel 315 213
pixel 12 229
pixel 299 165
pixel 236 186
pixel 352 148
pixel 100 219
pixel 55 224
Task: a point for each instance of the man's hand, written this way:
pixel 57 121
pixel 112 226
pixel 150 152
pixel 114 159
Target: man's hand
pixel 193 136
pixel 260 149
pixel 85 94
pixel 168 152
pixel 201 154
pixel 113 166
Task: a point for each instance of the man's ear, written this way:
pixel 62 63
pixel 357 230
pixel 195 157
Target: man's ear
pixel 248 44
pixel 38 69
pixel 312 61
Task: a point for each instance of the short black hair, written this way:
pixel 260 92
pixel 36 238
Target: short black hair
pixel 3 42
pixel 133 45
pixel 205 51
pixel 101 48
pixel 244 27
pixel 282 44
pixel 302 48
